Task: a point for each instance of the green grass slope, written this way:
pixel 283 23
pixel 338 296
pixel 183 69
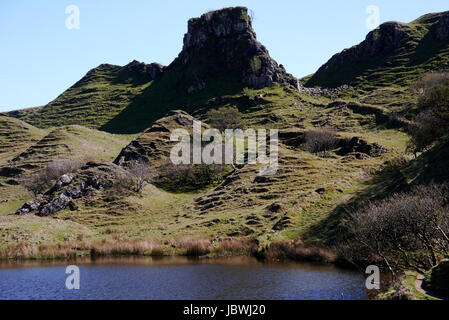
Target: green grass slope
pixel 71 142
pixel 393 54
pixel 15 136
pixel 95 99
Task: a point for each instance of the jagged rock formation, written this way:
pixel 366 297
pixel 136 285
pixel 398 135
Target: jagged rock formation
pixel 141 71
pixel 224 41
pixel 392 53
pixel 385 39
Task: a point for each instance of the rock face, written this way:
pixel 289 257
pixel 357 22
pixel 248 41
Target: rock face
pixel 387 38
pixel 224 41
pixel 63 193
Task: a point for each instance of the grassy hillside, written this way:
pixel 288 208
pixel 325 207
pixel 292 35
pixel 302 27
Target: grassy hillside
pixel 69 142
pixel 304 200
pixel 303 193
pixel 395 54
pixel 94 100
pixel 16 135
pixel 164 94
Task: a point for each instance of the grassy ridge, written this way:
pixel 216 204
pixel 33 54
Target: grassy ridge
pixel 15 136
pixel 421 52
pixel 94 100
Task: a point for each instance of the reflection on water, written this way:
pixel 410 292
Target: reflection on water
pixel 180 278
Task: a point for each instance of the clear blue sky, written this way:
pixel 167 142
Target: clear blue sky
pixel 40 57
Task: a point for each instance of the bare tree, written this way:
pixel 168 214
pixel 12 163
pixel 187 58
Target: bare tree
pixel 320 141
pixel 406 230
pixel 43 179
pixel 141 172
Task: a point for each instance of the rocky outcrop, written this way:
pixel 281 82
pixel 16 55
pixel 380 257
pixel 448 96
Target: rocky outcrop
pixel 61 195
pixel 136 70
pixel 383 40
pixel 393 53
pixel 224 41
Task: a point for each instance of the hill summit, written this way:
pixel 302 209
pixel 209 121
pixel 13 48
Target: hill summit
pixel 224 41
pixel 394 53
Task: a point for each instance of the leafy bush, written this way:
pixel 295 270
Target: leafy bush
pixel 225 118
pixel 428 126
pixel 190 177
pixel 424 130
pixel 437 279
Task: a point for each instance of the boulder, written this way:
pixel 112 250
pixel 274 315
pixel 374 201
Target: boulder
pixel 57 204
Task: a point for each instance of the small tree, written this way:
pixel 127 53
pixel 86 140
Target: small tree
pixel 408 230
pixel 428 126
pixel 141 172
pixel 225 118
pixel 320 141
pixel 424 130
pixel 41 180
pixel 36 183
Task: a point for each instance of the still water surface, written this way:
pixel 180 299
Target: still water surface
pixel 180 278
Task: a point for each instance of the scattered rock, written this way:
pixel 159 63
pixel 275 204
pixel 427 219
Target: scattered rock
pixel 326 92
pixel 29 206
pixel 360 146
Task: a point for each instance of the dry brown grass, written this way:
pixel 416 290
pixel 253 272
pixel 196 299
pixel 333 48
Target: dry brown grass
pixel 72 249
pixel 187 245
pixel 233 247
pixel 296 250
pixel 192 246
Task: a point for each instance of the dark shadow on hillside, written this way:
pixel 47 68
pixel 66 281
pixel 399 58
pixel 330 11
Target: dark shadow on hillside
pixel 167 93
pixel 431 167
